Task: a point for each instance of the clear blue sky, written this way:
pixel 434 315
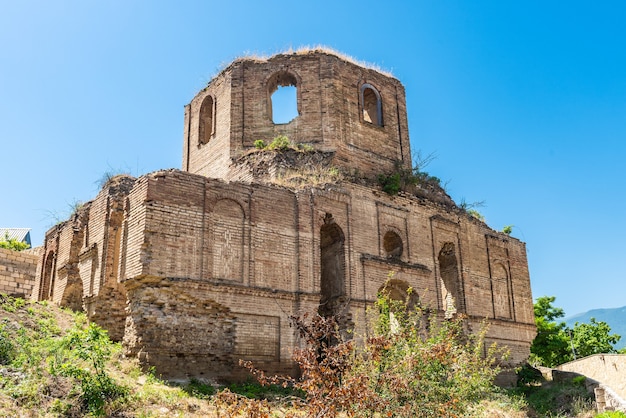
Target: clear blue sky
pixel 523 102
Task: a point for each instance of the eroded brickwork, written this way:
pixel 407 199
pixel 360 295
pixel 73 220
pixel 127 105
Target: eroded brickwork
pixel 199 268
pixel 332 95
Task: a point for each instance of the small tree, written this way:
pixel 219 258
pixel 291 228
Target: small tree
pixel 593 338
pixel 556 344
pixel 551 345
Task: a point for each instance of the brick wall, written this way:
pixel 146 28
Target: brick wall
pixel 254 251
pixel 17 272
pixel 195 270
pixel 330 114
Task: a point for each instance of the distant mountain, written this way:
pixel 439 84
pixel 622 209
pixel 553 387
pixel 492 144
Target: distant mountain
pixel 616 318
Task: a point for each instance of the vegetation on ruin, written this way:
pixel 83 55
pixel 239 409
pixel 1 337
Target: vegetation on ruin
pixel 302 50
pixel 13 244
pixel 281 143
pixel 556 343
pixel 110 175
pixel 53 363
pixel 407 179
pixel 411 364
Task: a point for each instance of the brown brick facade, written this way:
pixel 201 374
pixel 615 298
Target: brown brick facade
pixel 194 270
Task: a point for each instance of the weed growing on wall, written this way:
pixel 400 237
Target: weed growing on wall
pixel 403 179
pixel 281 143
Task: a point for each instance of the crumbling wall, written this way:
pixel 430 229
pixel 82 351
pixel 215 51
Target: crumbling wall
pixel 195 273
pixel 330 106
pixel 101 256
pixel 261 253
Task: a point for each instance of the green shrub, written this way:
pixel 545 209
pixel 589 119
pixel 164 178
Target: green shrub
pixel 7 350
pixel 89 349
pixel 199 389
pixel 412 364
pixel 476 214
pixel 406 179
pixel 390 183
pixel 611 414
pixel 528 375
pixel 13 244
pixel 279 143
pixel 259 144
pixel 305 147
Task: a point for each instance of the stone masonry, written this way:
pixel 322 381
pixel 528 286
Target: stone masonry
pixel 197 268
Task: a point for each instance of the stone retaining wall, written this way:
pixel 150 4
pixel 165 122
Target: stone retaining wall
pixel 609 370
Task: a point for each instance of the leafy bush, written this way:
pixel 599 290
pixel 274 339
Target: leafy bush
pixel 259 144
pixel 199 389
pixel 280 143
pixel 611 414
pixel 13 244
pixel 7 351
pixel 528 375
pixel 390 183
pixel 92 346
pixel 476 214
pixel 406 179
pixel 413 364
pixel 563 399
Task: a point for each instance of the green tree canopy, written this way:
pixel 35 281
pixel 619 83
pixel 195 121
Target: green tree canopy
pixel 556 344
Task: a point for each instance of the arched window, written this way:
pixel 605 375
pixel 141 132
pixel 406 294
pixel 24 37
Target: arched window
pixel 207 120
pixel 371 105
pixel 392 245
pixel 283 94
pixel 332 260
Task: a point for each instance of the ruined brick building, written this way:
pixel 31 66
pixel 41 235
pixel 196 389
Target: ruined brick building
pixel 196 268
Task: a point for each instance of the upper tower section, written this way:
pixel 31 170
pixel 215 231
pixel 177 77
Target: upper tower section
pixel 356 112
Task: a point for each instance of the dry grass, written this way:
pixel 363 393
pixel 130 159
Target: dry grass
pixel 302 50
pixel 311 176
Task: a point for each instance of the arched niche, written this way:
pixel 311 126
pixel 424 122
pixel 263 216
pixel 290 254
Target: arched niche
pixel 371 105
pixel 392 245
pixel 228 223
pixel 449 273
pixel 332 268
pixel 206 121
pixel 501 292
